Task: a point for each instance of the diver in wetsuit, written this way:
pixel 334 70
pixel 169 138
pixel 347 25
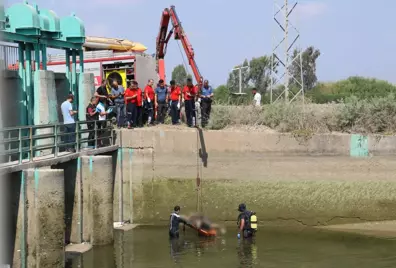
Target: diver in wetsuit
pixel 174 221
pixel 245 222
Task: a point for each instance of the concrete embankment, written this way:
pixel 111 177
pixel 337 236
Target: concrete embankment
pixel 71 202
pixel 287 179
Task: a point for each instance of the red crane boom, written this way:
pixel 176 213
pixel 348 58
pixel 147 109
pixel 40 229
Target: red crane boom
pixel 169 14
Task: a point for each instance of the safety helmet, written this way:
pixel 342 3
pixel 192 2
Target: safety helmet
pixel 241 207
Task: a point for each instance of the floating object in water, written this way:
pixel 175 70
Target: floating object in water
pixel 203 226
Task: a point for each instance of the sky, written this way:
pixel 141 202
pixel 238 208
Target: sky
pixel 354 37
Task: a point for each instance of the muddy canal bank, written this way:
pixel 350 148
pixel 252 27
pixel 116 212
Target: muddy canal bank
pixel 287 179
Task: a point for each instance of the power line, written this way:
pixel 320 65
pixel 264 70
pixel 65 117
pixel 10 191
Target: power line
pixel 239 69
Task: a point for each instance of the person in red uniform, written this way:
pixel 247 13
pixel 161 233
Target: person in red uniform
pixel 149 96
pixel 189 93
pixel 139 107
pixel 130 101
pixel 175 97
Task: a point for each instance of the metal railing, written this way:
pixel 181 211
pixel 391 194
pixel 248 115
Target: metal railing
pixel 26 144
pixel 8 56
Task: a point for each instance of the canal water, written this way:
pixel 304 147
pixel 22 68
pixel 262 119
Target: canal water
pixel 149 247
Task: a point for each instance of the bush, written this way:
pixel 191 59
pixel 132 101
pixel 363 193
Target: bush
pixel 281 117
pixel 375 115
pixel 360 87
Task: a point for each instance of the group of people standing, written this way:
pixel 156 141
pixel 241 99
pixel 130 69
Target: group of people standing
pixel 135 107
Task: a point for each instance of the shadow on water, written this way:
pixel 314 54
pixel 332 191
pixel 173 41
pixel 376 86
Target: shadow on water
pixel 100 257
pixel 247 253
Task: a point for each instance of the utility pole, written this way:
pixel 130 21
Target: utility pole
pixel 281 60
pixel 287 51
pixel 240 68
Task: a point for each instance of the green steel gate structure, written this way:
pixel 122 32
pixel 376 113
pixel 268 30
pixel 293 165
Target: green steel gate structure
pixel 34 30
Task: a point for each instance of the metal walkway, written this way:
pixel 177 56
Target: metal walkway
pixel 45 145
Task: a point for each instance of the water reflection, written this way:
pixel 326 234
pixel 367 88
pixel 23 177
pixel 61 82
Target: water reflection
pixel 178 247
pixel 151 247
pixel 247 253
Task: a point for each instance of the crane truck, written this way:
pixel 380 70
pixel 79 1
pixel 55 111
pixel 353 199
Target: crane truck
pixel 170 15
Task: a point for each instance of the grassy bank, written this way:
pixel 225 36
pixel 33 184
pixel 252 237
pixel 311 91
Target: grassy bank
pixel 376 115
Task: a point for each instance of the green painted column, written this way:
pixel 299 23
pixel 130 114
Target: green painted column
pixel 44 56
pixel 29 84
pixel 68 74
pixel 22 85
pixel 74 72
pixel 37 59
pixel 82 101
pixel 81 58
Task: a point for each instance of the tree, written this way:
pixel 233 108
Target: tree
pixel 309 57
pixel 179 74
pixel 222 94
pixel 360 87
pixel 233 79
pixel 260 73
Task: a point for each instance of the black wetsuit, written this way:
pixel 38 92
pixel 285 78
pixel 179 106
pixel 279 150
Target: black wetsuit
pixel 247 230
pixel 174 222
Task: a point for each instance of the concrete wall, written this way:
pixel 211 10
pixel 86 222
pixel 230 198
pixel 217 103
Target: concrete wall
pixel 10 98
pixel 45 107
pixel 37 217
pixel 71 202
pixel 286 179
pixel 62 90
pixel 56 88
pixel 89 186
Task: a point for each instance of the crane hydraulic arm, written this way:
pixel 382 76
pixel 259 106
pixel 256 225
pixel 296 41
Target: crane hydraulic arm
pixel 169 14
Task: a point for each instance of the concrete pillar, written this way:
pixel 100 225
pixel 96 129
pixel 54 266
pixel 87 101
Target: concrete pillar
pixel 97 213
pixel 89 183
pixel 39 239
pixel 45 105
pixel 86 86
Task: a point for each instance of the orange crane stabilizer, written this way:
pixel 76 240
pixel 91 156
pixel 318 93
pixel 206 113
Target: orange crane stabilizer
pixel 169 14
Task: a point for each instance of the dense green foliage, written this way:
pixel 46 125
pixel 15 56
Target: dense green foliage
pixel 180 75
pixel 308 57
pixel 258 74
pixel 360 87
